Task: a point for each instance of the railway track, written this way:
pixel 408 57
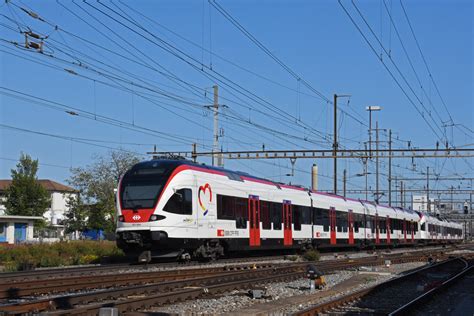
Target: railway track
pixel 167 283
pixel 419 304
pixel 395 296
pixel 21 288
pixel 68 272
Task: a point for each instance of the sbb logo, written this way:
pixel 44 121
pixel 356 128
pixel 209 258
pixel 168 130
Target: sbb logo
pixel 136 217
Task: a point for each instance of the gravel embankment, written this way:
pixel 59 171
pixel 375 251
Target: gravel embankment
pixel 239 300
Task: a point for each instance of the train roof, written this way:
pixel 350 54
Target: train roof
pixel 175 162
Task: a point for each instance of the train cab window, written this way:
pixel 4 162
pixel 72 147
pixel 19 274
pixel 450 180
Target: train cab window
pixel 276 214
pixel 296 217
pixel 265 215
pixel 241 212
pixel 181 202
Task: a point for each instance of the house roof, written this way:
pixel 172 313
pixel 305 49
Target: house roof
pixel 20 217
pixel 49 185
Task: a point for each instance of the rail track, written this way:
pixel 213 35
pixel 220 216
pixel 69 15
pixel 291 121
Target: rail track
pixel 396 296
pixel 420 303
pixel 68 272
pixel 154 288
pixel 21 287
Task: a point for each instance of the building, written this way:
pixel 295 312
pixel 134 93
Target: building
pixel 420 203
pixel 54 216
pixel 17 229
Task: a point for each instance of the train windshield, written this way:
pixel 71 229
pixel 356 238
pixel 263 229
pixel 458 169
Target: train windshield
pixel 142 185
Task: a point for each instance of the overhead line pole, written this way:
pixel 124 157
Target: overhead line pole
pixel 334 146
pixel 390 167
pixel 215 145
pixel 377 162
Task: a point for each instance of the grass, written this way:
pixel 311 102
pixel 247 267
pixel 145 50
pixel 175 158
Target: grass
pixel 29 256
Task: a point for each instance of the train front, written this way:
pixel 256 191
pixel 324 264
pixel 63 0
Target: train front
pixel 138 195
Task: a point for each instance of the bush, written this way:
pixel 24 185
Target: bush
pixel 311 255
pixel 291 258
pixel 21 257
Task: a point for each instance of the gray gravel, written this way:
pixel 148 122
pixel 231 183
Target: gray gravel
pixel 238 300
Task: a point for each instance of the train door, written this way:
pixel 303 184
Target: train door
pixel 254 220
pixel 287 220
pixel 388 229
pixel 332 223
pixel 412 231
pixel 405 230
pixel 350 221
pixel 377 229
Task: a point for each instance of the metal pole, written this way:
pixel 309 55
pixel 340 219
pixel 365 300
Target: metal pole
pixel 366 171
pixel 194 156
pixel 370 133
pixel 428 204
pixel 401 194
pixel 344 181
pixel 335 144
pixel 377 162
pixel 215 146
pixel 389 167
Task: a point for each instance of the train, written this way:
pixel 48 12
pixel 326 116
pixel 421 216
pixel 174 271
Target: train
pixel 179 208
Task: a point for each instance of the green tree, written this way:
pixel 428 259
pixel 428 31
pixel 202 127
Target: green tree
pixel 25 196
pixel 75 218
pixel 96 183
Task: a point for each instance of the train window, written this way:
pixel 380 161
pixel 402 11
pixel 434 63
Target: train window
pixel 317 216
pixel 345 221
pixel 241 212
pixel 296 217
pixel 305 215
pixel 325 219
pixel 276 214
pixel 355 218
pixel 339 221
pixel 383 226
pixel 368 222
pixel 265 215
pixel 180 202
pixel 225 207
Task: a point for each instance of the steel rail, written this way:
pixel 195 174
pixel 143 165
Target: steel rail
pixel 342 300
pixel 425 296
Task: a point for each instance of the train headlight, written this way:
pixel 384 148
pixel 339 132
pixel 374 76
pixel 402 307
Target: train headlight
pixel 121 218
pixel 153 218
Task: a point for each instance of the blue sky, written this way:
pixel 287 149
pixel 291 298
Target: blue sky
pixel 316 39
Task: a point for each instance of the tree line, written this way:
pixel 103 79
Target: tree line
pixel 90 207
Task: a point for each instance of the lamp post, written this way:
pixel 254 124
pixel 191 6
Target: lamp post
pixel 371 108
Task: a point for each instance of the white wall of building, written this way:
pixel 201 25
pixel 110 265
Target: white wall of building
pixel 58 207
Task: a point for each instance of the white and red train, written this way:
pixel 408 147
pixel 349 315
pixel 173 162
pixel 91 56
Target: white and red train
pixel 180 208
